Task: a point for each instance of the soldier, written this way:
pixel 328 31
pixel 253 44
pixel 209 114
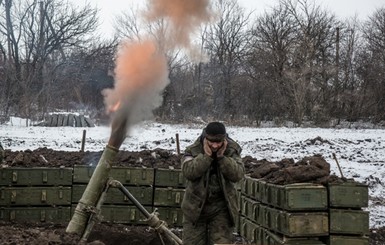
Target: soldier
pixel 211 165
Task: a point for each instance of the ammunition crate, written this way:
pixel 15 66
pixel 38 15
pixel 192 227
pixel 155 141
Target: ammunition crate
pixel 249 207
pixel 121 214
pixel 296 224
pixel 35 214
pixel 168 196
pixel 348 195
pixel 348 240
pixel 249 230
pixel 35 176
pixel 261 192
pixel 39 196
pixel 269 238
pixel 169 178
pixel 172 216
pixel 297 197
pixel 248 187
pixel 126 175
pixel 344 221
pixel 114 196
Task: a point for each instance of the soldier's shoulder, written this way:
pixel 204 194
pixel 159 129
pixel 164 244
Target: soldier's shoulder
pixel 194 148
pixel 234 145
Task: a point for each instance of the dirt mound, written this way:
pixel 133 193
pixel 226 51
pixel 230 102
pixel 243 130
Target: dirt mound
pixel 44 157
pixel 313 169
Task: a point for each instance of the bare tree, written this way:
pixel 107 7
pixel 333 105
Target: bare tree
pixel 297 39
pixel 226 43
pixel 372 65
pixel 350 100
pixel 273 39
pixel 38 36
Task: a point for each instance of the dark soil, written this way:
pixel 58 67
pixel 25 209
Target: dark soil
pixel 44 157
pixel 54 234
pixel 312 169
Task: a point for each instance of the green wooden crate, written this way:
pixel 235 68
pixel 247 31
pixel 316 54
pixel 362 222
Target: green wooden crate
pixel 348 195
pixel 298 197
pixel 345 221
pixel 38 176
pixel 296 224
pixel 35 196
pixel 249 208
pixel 249 187
pixel 114 196
pixel 169 178
pixel 270 238
pixel 121 214
pixel 126 175
pixel 261 192
pixel 168 197
pixel 172 216
pixel 36 214
pixel 347 240
pixel 249 230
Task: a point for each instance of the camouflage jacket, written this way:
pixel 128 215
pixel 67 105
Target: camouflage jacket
pixel 196 169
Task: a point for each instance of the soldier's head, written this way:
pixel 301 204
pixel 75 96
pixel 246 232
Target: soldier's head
pixel 215 134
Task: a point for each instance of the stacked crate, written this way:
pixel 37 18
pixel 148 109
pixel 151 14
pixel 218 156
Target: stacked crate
pixel 289 214
pixel 169 188
pixel 349 223
pixel 247 224
pixel 117 207
pixel 35 194
pixel 304 213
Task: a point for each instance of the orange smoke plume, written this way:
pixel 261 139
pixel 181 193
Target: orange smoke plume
pixel 141 74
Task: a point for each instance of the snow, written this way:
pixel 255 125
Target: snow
pixel 360 152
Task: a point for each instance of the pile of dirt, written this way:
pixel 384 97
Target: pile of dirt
pixel 312 169
pixel 44 157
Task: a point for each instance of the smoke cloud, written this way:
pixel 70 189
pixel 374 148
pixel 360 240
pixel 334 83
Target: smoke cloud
pixel 141 71
pixel 185 16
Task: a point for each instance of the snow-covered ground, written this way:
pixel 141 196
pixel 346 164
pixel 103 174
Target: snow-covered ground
pixel 360 152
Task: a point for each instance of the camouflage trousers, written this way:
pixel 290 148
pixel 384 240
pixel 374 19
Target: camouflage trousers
pixel 209 230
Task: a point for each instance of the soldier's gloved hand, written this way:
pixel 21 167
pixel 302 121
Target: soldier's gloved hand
pixel 221 151
pixel 207 148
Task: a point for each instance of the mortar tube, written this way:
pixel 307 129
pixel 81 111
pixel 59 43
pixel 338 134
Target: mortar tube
pixel 91 195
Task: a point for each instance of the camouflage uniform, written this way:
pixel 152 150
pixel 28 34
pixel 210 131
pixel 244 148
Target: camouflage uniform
pixel 210 202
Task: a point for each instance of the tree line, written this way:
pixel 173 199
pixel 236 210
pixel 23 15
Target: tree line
pixel 296 61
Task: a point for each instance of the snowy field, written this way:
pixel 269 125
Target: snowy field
pixel 360 152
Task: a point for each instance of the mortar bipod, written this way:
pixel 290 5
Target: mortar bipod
pixel 152 219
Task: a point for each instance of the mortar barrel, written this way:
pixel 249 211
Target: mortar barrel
pixel 91 195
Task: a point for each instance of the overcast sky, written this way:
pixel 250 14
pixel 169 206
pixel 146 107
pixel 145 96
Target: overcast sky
pixel 342 8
